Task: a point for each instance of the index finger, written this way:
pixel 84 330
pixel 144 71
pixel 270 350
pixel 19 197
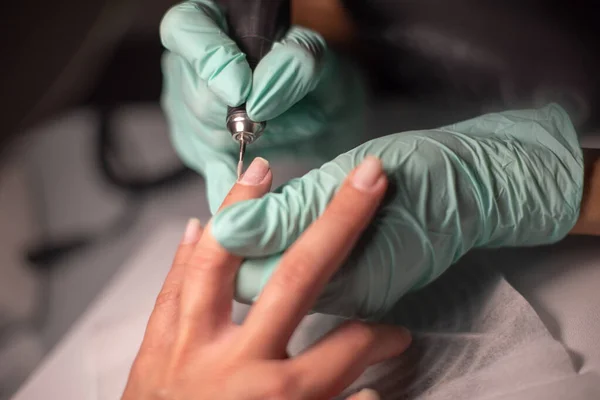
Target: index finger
pixel 311 261
pixel 196 30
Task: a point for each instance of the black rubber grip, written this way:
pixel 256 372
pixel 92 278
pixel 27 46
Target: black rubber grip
pixel 255 25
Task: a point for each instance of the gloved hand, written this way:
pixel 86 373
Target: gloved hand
pixel 507 179
pixel 311 99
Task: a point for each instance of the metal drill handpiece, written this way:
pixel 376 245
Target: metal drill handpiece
pixel 244 131
pixel 254 25
pixel 240 125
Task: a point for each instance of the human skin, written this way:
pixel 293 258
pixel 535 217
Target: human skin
pixel 589 215
pixel 192 350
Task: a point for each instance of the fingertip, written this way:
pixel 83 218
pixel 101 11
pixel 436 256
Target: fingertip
pixel 405 336
pixel 256 173
pixel 365 394
pixel 360 194
pixel 170 23
pixel 192 231
pixel 254 183
pixel 286 75
pixel 400 335
pixel 391 342
pixel 368 176
pixel 290 71
pixel 233 82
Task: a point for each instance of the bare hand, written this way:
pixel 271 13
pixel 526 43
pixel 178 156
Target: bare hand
pixel 192 350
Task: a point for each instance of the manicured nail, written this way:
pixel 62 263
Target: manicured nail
pixel 256 172
pixel 367 174
pixel 405 332
pixel 192 231
pixel 368 394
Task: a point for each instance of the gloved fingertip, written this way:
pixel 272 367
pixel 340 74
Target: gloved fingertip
pixel 233 82
pixel 307 38
pixel 171 21
pixel 290 71
pixel 239 228
pixel 179 16
pixel 280 84
pixel 252 276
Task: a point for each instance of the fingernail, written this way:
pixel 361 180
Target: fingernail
pixel 192 231
pixel 367 174
pixel 368 394
pixel 256 172
pixel 405 332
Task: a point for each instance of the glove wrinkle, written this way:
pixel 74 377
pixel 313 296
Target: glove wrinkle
pixel 505 179
pixel 312 102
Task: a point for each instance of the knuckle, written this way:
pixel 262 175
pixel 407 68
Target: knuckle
pixel 168 297
pixel 290 280
pixel 207 262
pixel 284 386
pixel 295 273
pixel 359 334
pixel 183 252
pixel 344 214
pixel 203 260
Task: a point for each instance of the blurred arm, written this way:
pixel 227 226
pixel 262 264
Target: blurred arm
pixel 589 216
pixel 328 17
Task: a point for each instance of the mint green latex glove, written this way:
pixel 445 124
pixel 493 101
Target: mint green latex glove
pixel 507 179
pixel 312 100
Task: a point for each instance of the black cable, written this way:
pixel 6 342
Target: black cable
pixel 108 156
pixel 47 254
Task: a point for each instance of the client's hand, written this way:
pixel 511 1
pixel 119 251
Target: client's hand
pixel 192 350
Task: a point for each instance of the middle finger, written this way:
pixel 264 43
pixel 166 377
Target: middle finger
pixel 311 261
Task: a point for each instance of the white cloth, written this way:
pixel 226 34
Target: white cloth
pixel 476 338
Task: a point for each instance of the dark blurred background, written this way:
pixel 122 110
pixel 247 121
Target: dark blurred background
pixel 86 167
pixel 66 53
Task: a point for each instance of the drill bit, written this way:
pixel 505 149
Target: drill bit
pixel 240 166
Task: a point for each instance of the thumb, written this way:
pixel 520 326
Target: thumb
pixel 196 31
pixel 269 225
pixel 262 229
pixel 290 71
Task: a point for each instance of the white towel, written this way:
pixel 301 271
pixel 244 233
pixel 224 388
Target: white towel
pixel 475 337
